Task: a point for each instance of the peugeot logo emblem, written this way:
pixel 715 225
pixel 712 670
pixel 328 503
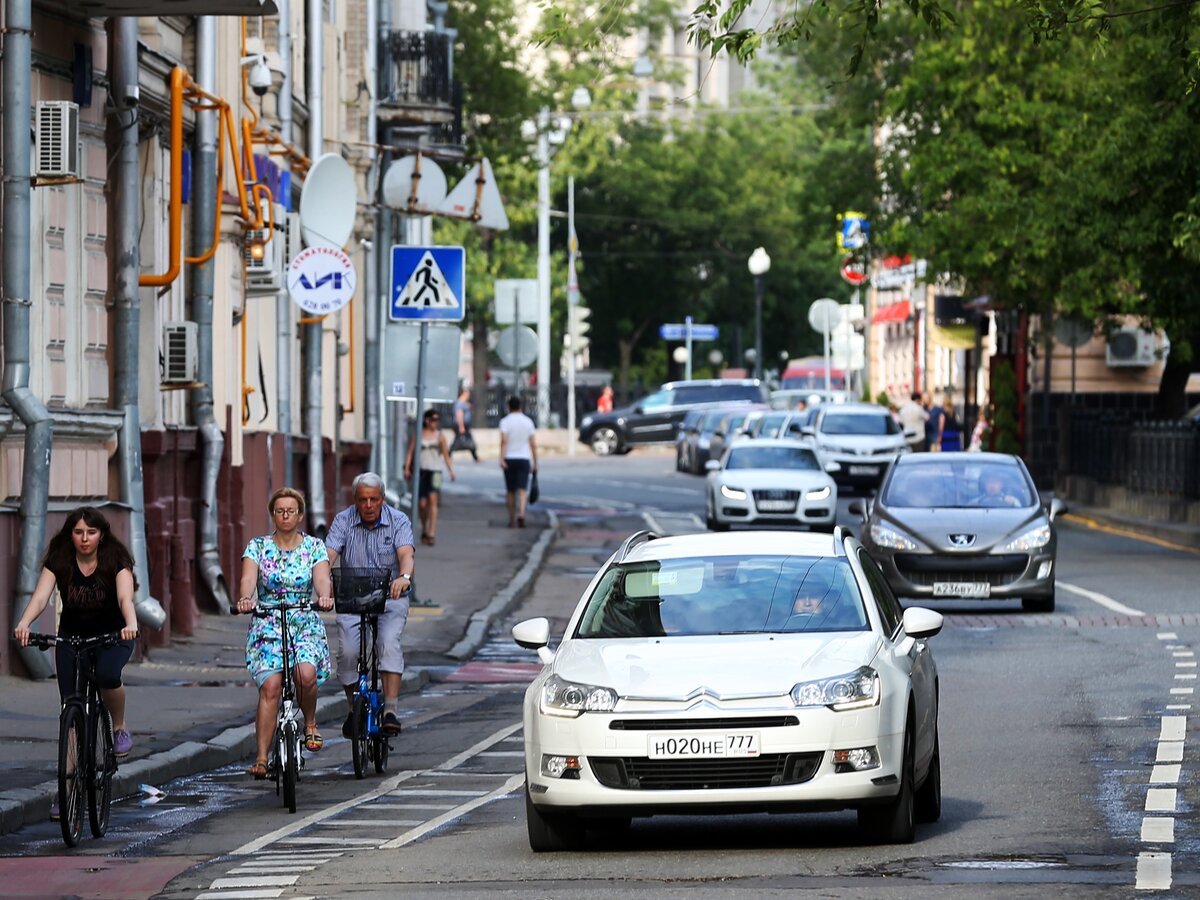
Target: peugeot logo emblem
pixel 962 540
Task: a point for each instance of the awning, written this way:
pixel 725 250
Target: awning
pixel 953 337
pixel 893 312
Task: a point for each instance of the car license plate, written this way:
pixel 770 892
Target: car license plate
pixel 776 505
pixel 864 470
pixel 962 589
pixel 702 744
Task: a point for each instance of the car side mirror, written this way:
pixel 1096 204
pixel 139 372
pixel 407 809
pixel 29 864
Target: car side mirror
pixel 534 634
pixel 832 466
pixel 1057 508
pixel 713 465
pixel 921 623
pixel 638 409
pixel 808 432
pixel 856 508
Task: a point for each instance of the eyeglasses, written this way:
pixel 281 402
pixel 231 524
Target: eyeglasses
pixel 287 513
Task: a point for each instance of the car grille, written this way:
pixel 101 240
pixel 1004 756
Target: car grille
pixel 638 773
pixel 776 500
pixel 698 724
pixel 996 569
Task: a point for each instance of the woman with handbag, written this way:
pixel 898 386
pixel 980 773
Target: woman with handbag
pixel 463 439
pixel 434 452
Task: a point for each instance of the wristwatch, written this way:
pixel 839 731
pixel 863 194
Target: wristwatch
pixel 405 576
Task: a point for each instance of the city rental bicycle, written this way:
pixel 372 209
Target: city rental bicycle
pixel 87 758
pixel 286 758
pixel 364 592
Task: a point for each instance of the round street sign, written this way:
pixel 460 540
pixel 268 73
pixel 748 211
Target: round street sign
pixel 321 280
pixel 824 315
pixel 854 270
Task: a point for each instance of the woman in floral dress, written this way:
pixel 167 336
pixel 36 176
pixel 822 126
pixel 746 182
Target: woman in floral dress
pixel 283 567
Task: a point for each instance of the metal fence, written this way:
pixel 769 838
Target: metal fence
pixel 1161 458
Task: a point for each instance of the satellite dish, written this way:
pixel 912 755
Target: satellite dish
pixel 328 203
pixel 1073 332
pixel 477 199
pixel 414 184
pixel 824 315
pixel 517 346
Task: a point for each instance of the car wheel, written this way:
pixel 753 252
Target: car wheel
pixel 928 800
pixel 605 442
pixel 1039 604
pixel 894 822
pixel 550 832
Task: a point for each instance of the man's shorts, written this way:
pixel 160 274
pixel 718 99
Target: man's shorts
pixel 391 627
pixel 516 474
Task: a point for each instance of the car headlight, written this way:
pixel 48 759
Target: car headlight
pixel 883 536
pixel 585 421
pixel 566 698
pixel 819 494
pixel 732 493
pixel 1038 536
pixel 855 690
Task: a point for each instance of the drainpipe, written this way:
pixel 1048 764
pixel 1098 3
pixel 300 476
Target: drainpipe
pixel 314 331
pixel 204 210
pixel 39 437
pixel 128 310
pixel 284 311
pixel 372 316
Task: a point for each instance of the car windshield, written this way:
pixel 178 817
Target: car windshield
pixel 772 458
pixel 711 421
pixel 859 423
pixel 957 484
pixel 769 424
pixel 724 595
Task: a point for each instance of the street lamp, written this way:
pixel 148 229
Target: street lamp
pixel 581 100
pixel 759 264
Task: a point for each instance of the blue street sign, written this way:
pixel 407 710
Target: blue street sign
pixel 678 332
pixel 428 283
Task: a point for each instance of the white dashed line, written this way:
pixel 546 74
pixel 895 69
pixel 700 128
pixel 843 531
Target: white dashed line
pixel 1167 636
pixel 1169 752
pixel 1153 871
pixel 1158 830
pixel 1173 728
pixel 1168 774
pixel 1104 600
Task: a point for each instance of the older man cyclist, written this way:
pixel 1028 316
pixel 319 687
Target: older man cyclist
pixel 371 534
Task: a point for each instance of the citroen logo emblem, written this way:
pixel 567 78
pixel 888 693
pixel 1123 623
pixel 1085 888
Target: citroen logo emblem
pixel 962 540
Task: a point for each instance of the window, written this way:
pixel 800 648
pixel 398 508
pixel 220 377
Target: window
pixel 850 423
pixel 657 401
pixel 889 607
pixel 797 458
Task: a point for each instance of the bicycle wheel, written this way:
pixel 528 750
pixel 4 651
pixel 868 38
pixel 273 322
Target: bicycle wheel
pixel 291 766
pixel 381 753
pixel 72 775
pixel 103 765
pixel 358 743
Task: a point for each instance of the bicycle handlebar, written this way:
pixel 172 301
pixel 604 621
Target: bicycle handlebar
pixel 78 643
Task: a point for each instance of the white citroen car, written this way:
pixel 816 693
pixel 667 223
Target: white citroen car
pixel 731 673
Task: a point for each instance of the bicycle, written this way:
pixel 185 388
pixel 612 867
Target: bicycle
pixel 87 758
pixel 286 759
pixel 365 592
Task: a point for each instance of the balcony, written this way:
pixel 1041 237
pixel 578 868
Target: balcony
pixel 414 79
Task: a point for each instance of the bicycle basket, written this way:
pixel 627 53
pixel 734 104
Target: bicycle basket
pixel 360 591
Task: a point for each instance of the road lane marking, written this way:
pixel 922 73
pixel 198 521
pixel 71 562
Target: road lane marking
pixel 1168 774
pixel 1109 529
pixel 1168 636
pixel 377 823
pixel 1185 676
pixel 1161 799
pixel 433 806
pixel 455 761
pixel 257 881
pixel 1174 728
pixel 1105 601
pixel 240 895
pixel 409 836
pixel 1169 752
pixel 1158 830
pixel 1153 871
pixel 1183 653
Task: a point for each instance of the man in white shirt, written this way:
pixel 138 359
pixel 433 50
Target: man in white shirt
pixel 913 416
pixel 518 457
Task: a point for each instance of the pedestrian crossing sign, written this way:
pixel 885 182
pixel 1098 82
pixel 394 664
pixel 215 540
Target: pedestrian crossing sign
pixel 428 283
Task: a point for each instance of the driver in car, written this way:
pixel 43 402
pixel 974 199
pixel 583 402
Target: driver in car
pixel 995 491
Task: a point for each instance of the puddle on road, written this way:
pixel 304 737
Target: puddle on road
pixel 1003 864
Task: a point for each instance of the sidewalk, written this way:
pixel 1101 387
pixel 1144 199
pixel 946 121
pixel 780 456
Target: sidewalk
pixel 191 704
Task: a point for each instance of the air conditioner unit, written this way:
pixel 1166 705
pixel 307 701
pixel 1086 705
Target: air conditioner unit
pixel 264 274
pixel 59 148
pixel 1131 347
pixel 179 352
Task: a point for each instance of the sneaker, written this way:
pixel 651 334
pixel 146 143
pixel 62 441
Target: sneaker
pixel 390 723
pixel 348 727
pixel 54 810
pixel 122 742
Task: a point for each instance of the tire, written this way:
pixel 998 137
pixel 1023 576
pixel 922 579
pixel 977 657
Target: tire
pixel 1039 604
pixel 72 777
pixel 291 767
pixel 928 799
pixel 551 832
pixel 894 822
pixel 381 753
pixel 358 728
pixel 100 778
pixel 605 441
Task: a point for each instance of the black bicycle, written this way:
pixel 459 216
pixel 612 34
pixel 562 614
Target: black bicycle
pixel 87 759
pixel 286 758
pixel 364 592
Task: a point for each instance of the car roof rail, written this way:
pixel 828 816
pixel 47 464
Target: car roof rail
pixel 635 540
pixel 839 541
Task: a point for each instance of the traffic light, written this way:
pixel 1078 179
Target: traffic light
pixel 578 327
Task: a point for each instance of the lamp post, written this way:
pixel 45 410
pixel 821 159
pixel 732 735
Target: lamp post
pixel 759 264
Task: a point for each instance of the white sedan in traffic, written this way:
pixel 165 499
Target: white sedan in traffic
pixel 770 482
pixel 718 674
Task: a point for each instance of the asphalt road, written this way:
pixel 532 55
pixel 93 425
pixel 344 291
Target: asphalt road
pixel 1063 738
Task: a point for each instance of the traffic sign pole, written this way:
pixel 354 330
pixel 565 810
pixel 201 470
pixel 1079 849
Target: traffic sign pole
pixel 687 338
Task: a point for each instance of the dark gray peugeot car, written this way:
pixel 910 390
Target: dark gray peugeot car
pixel 963 526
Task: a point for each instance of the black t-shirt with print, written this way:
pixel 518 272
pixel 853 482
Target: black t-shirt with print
pixel 89 605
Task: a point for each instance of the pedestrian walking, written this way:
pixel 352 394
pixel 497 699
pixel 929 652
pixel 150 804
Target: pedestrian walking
pixel 913 418
pixel 280 568
pixel 604 403
pixel 950 437
pixel 434 462
pixel 933 425
pixel 463 439
pixel 979 432
pixel 370 534
pixel 518 458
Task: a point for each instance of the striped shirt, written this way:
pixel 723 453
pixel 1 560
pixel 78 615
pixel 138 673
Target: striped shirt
pixel 359 546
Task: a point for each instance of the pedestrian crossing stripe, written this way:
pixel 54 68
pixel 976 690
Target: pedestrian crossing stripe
pixel 428 283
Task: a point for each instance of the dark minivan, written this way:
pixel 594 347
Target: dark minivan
pixel 655 419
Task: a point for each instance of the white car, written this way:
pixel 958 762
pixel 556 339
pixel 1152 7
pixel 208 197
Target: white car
pixel 769 482
pixel 862 437
pixel 718 674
